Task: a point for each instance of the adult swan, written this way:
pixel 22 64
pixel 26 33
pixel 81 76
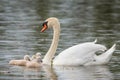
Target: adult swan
pixel 81 54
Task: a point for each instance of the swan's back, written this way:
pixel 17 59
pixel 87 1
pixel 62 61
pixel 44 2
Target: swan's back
pixel 78 54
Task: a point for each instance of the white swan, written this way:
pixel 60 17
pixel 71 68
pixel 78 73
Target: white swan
pixel 21 62
pixel 81 54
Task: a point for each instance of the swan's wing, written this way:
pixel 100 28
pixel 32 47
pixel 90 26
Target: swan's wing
pixel 85 59
pixel 77 54
pixel 106 56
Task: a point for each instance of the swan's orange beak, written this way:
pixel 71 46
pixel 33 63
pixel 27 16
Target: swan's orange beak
pixel 44 27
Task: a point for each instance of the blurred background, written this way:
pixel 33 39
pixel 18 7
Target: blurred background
pixel 81 21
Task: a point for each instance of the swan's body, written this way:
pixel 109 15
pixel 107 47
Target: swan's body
pixel 81 54
pixel 21 62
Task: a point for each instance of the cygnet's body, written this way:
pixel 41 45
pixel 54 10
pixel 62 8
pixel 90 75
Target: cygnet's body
pixel 37 55
pixel 21 62
pixel 35 62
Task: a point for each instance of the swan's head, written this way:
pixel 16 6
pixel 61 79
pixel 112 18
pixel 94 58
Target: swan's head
pixel 26 57
pixel 50 22
pixel 100 47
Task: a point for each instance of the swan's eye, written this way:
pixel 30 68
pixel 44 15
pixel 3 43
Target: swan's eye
pixel 44 26
pixel 45 23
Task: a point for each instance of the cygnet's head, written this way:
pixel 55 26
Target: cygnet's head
pixel 33 57
pixel 38 54
pixel 27 58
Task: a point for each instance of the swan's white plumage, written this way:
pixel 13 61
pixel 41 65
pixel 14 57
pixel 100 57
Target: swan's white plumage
pixel 105 57
pixel 81 54
pixel 78 54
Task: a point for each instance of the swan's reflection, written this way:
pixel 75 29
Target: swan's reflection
pixel 78 73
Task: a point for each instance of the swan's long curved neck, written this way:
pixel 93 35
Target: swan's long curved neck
pixel 51 52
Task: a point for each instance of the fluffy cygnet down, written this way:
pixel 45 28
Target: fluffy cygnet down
pixel 36 63
pixel 21 62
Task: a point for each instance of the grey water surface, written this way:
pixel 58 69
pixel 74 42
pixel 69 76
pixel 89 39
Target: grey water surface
pixel 81 21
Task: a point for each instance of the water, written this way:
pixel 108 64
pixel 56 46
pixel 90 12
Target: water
pixel 81 21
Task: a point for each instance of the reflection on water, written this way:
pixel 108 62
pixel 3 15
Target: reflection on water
pixel 78 73
pixel 81 21
pixel 84 73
